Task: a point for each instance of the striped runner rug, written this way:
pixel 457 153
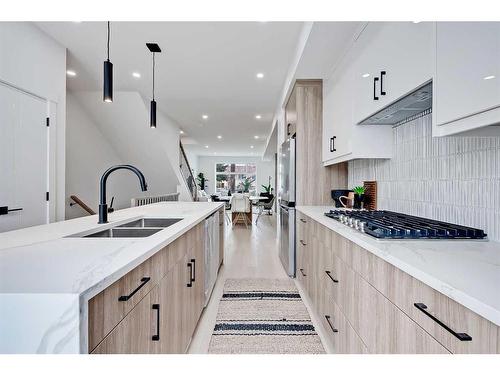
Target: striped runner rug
pixel 263 316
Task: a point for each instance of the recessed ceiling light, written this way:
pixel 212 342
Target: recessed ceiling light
pixel 260 75
pixel 365 75
pixel 71 73
pixel 219 137
pixel 256 136
pixel 206 146
pixel 416 21
pixel 181 131
pixel 215 153
pixel 258 117
pixel 204 117
pixel 251 146
pixel 136 75
pixel 488 77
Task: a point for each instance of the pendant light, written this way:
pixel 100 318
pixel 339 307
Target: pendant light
pixel 154 48
pixel 108 76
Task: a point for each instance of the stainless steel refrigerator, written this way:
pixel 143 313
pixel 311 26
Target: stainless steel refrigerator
pixel 287 206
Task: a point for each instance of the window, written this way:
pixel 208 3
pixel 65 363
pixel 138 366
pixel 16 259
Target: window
pixel 235 177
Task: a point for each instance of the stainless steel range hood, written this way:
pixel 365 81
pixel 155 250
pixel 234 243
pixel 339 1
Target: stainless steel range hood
pixel 416 102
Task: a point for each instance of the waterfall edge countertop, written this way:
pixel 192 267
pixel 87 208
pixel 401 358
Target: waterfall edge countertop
pixel 467 271
pixel 47 278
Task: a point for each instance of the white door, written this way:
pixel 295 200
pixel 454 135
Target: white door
pixel 23 159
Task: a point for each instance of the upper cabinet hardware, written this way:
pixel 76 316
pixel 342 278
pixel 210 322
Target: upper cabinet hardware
pixel 382 74
pixel 144 281
pixel 375 80
pixel 156 306
pixel 302 271
pixel 193 276
pixel 190 283
pixel 303 243
pixel 332 144
pixel 335 330
pixel 4 210
pixel 288 129
pixel 330 276
pixel 461 336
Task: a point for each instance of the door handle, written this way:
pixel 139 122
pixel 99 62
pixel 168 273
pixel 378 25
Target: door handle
pixel 190 283
pixel 144 281
pixel 330 276
pixel 4 210
pixel 334 330
pixel 156 337
pixel 193 275
pixel 375 80
pixel 382 74
pixel 461 336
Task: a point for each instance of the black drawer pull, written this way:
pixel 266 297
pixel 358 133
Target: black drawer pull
pixel 461 336
pixel 332 142
pixel 156 306
pixel 144 281
pixel 382 74
pixel 302 272
pixel 4 210
pixel 335 330
pixel 330 276
pixel 375 80
pixel 193 276
pixel 303 220
pixel 303 243
pixel 190 283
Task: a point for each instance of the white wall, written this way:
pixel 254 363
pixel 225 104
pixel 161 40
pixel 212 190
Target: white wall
pixel 206 164
pixel 33 62
pixel 88 155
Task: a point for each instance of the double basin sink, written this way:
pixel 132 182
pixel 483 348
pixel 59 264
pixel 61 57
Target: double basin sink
pixel 143 227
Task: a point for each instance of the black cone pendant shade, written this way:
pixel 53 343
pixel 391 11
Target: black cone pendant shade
pixel 107 95
pixel 154 48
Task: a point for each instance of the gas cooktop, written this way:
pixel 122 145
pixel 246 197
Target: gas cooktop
pixel 394 225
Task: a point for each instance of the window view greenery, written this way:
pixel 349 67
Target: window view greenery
pixel 235 177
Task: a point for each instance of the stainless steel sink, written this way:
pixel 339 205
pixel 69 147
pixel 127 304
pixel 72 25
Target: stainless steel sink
pixel 124 233
pixel 149 222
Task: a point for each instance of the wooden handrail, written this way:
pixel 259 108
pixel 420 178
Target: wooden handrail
pixel 79 202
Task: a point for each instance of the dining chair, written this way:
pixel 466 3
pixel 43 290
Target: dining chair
pixel 240 205
pixel 265 206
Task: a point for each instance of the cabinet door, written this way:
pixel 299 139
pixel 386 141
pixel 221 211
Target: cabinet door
pixel 134 334
pixel 391 59
pixel 467 78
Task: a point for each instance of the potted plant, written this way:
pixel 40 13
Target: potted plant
pixel 201 180
pixel 359 196
pixel 268 190
pixel 246 184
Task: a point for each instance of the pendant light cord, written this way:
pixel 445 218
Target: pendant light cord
pixel 153 76
pixel 108 39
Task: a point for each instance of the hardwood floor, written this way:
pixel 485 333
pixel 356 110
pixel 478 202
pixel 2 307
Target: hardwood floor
pixel 249 253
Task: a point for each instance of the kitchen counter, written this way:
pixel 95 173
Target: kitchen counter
pixel 466 271
pixel 47 278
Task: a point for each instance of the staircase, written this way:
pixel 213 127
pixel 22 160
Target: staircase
pixel 187 174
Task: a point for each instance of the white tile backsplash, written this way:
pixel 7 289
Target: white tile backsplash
pixel 454 179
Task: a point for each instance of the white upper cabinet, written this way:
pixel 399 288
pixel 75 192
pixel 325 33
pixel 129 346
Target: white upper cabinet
pixel 467 76
pixel 391 59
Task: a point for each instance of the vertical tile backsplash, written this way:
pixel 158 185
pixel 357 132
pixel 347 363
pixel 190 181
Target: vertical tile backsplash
pixel 454 179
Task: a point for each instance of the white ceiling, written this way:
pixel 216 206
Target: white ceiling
pixel 204 68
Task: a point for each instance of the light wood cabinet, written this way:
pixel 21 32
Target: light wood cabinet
pixel 161 314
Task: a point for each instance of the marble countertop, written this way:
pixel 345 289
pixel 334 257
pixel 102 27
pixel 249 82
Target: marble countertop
pixel 466 271
pixel 42 259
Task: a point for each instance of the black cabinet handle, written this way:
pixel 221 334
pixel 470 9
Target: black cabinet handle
pixel 332 144
pixel 375 80
pixel 190 283
pixel 302 243
pixel 335 330
pixel 329 273
pixel 193 275
pixel 144 281
pixel 302 272
pixel 156 306
pixel 303 220
pixel 382 74
pixel 288 129
pixel 4 210
pixel 461 336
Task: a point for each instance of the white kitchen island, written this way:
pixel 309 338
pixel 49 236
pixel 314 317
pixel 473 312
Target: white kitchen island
pixel 47 278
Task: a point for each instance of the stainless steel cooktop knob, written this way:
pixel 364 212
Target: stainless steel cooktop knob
pixel 362 226
pixel 356 224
